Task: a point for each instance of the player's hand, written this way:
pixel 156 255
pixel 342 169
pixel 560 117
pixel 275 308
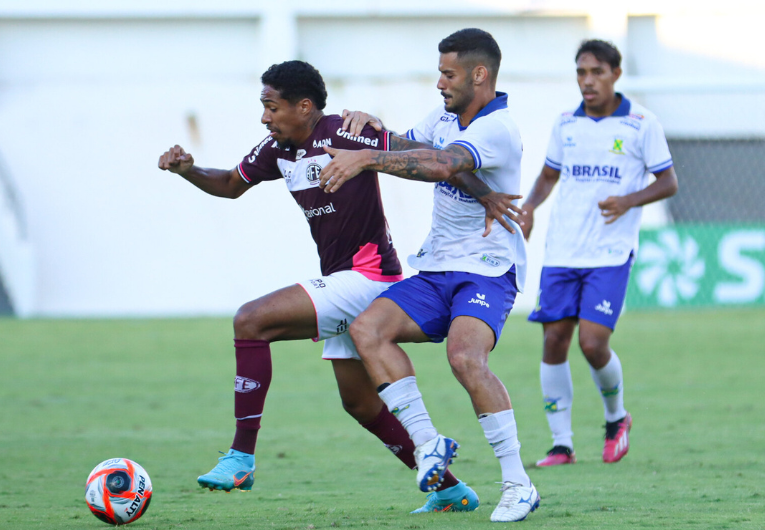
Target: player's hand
pixel 343 167
pixel 354 121
pixel 176 160
pixel 613 208
pixel 528 221
pixel 499 205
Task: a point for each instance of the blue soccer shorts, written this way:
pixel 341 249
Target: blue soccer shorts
pixel 595 294
pixel 434 299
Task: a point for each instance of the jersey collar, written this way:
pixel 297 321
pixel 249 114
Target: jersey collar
pixel 622 110
pixel 498 103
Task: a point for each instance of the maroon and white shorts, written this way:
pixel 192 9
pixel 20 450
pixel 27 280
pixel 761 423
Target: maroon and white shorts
pixel 338 299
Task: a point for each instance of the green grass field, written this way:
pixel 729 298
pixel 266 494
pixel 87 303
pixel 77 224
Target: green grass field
pixel 75 393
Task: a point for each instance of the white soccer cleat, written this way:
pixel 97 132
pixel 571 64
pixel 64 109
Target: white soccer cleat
pixel 432 458
pixel 516 503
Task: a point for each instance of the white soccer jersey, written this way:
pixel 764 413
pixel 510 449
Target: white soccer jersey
pixel 455 241
pixel 598 158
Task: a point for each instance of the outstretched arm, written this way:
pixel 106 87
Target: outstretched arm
pixel 615 206
pixel 218 182
pixel 427 165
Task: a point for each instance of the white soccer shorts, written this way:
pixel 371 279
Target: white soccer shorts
pixel 338 299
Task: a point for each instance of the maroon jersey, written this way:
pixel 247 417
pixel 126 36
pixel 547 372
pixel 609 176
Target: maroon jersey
pixel 348 226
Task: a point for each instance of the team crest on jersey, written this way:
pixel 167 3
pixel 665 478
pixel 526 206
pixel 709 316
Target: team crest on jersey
pixel 618 148
pixel 312 173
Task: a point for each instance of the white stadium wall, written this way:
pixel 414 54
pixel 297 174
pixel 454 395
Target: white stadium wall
pixel 89 99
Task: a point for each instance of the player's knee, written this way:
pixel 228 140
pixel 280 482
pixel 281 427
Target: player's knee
pixel 247 322
pixel 364 333
pixel 465 362
pixel 556 343
pixel 594 348
pixel 360 411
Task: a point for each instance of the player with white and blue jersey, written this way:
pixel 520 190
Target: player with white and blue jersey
pixel 468 279
pixel 600 155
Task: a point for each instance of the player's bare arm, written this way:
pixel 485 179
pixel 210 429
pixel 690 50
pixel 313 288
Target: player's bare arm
pixel 218 182
pixel 542 188
pixel 665 186
pixel 425 165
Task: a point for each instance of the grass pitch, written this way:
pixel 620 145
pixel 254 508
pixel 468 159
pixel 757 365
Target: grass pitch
pixel 74 393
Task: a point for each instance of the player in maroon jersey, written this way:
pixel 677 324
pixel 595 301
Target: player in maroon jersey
pixel 357 257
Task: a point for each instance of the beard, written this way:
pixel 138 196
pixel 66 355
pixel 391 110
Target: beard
pixel 461 98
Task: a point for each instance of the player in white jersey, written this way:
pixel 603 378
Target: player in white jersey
pixel 601 154
pixel 467 283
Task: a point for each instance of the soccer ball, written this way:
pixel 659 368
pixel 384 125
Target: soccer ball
pixel 118 491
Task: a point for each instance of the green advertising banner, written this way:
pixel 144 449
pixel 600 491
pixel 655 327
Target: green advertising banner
pixel 699 265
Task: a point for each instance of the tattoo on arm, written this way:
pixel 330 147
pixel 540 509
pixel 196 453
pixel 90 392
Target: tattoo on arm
pixel 427 165
pixel 401 143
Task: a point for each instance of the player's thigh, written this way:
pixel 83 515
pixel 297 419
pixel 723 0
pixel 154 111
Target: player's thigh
pixel 385 320
pixel 484 298
pixel 603 293
pixel 560 291
pixel 413 310
pixel 469 342
pixel 286 314
pixel 339 298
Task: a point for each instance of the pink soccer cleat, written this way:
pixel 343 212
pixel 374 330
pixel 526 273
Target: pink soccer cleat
pixel 617 439
pixel 558 455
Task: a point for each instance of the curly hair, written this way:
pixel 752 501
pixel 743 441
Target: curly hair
pixel 296 80
pixel 603 51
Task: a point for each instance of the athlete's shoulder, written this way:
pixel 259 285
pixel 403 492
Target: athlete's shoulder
pixel 566 117
pixel 639 118
pixel 496 123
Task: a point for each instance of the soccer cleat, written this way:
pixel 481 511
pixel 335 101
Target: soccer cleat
pixel 459 498
pixel 432 458
pixel 234 471
pixel 560 454
pixel 617 439
pixel 516 503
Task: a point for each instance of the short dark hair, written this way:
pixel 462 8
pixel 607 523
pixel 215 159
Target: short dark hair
pixel 603 51
pixel 296 80
pixel 476 44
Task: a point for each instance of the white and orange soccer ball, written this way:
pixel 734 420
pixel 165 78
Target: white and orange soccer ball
pixel 118 491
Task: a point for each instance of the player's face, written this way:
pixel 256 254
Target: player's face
pixel 455 83
pixel 283 119
pixel 596 81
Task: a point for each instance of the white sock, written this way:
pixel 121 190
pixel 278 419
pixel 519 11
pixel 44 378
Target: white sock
pixel 502 434
pixel 609 380
pixel 558 393
pixel 405 402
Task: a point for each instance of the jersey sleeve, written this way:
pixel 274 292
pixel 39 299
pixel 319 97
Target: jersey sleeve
pixel 369 138
pixel 423 131
pixel 260 164
pixel 655 149
pixel 489 142
pixel 554 157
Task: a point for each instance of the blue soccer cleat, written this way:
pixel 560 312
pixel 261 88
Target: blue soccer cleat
pixel 459 498
pixel 432 459
pixel 234 471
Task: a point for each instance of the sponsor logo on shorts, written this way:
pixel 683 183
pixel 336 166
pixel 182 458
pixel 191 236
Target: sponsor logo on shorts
pixel 244 385
pixel 479 299
pixel 342 327
pixel 604 307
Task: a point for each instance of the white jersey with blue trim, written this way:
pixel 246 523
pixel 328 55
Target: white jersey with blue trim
pixel 455 241
pixel 598 158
